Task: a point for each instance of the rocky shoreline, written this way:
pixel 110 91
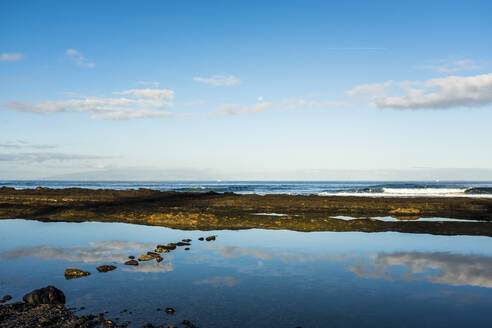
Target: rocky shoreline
pixel 45 307
pixel 214 211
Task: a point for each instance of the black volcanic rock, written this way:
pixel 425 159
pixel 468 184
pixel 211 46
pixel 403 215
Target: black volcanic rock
pixel 46 295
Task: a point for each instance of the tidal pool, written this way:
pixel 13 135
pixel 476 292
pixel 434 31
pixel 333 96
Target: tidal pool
pixel 256 278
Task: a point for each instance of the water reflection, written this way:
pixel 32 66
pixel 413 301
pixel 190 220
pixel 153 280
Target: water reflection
pixel 232 252
pixel 446 268
pixel 256 278
pixel 218 281
pixel 113 251
pixel 101 251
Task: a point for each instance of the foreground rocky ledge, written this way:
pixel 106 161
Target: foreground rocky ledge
pixel 45 307
pixel 213 211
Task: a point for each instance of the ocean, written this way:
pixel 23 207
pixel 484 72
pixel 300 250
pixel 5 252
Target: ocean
pixel 322 188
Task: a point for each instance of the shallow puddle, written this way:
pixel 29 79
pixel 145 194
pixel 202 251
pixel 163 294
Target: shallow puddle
pixel 255 278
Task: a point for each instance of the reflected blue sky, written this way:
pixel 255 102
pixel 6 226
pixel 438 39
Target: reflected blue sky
pixel 256 277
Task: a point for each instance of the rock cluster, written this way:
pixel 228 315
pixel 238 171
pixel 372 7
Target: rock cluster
pixel 44 307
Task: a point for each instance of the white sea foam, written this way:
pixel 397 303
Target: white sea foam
pixel 425 191
pixel 410 192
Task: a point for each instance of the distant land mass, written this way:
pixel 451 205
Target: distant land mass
pixel 191 174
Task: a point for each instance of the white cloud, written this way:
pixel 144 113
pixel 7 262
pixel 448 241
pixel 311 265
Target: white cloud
pixel 11 56
pixel 218 80
pixel 235 109
pixel 79 59
pixel 452 65
pixel 148 93
pixel 152 83
pixel 300 103
pixel 369 89
pixel 44 157
pixel 145 103
pixel 439 93
pixel 130 115
pixel 17 144
pixel 285 104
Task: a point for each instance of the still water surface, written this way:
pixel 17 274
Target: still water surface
pixel 256 278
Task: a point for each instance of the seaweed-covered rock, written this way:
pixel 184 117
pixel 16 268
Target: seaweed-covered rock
pixel 75 273
pixel 210 238
pixel 161 249
pixel 131 262
pixel 146 257
pixel 105 268
pixel 46 295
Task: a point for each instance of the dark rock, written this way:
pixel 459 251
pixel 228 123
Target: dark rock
pixel 188 324
pixel 159 259
pixel 46 295
pixel 6 298
pixel 170 246
pixel 170 310
pixel 201 239
pixel 154 255
pixel 210 238
pixel 105 268
pixel 187 249
pixel 183 244
pixel 186 240
pixel 131 257
pixel 75 273
pixel 131 262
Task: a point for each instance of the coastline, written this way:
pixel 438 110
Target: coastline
pixel 217 211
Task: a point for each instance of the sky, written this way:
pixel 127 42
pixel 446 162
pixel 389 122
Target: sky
pixel 246 90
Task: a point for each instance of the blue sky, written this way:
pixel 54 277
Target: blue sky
pixel 246 90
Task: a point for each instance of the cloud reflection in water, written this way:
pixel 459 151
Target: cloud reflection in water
pixel 437 267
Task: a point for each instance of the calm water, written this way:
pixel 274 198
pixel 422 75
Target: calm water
pixel 323 188
pixel 256 278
